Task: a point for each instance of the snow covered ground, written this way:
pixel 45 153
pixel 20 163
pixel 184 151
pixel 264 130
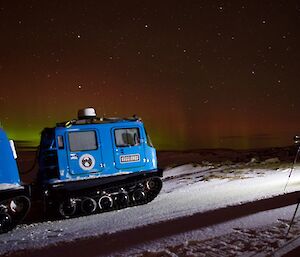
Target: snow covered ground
pixel 188 190
pixel 8 186
pixel 255 235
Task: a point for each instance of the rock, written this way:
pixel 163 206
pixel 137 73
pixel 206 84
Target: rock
pixel 254 160
pixel 271 160
pixel 206 163
pixel 227 163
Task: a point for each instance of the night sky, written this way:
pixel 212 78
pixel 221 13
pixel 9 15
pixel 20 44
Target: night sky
pixel 201 74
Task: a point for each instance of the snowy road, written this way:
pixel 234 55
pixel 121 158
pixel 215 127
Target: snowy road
pixel 187 190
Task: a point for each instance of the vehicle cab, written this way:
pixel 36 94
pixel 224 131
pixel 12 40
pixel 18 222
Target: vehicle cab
pixel 92 147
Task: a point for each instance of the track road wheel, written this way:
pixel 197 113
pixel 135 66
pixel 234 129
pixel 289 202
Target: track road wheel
pixel 19 207
pixel 88 205
pixel 6 223
pixel 122 199
pixel 67 208
pixel 105 202
pixel 138 196
pixel 154 184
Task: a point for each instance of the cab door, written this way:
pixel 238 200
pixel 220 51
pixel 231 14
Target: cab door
pixel 129 150
pixel 84 152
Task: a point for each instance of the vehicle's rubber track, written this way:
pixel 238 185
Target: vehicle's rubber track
pixel 104 199
pixel 13 211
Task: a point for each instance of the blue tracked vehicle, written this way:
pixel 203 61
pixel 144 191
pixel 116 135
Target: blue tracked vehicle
pixel 14 197
pixel 92 164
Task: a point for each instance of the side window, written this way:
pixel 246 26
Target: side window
pixel 127 137
pixel 82 141
pixel 60 142
pixel 149 141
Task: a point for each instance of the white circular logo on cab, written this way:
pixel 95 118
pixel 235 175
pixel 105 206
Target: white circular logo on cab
pixel 87 162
